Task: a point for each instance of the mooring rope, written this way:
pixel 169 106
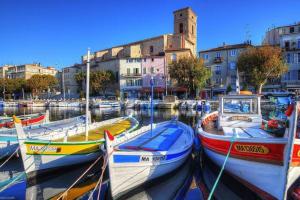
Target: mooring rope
pixel 24 172
pixel 222 169
pixel 10 157
pixel 105 159
pixel 65 193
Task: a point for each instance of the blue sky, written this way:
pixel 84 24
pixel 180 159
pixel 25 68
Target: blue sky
pixel 58 32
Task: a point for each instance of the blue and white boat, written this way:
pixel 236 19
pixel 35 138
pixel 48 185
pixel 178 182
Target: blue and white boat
pixel 143 155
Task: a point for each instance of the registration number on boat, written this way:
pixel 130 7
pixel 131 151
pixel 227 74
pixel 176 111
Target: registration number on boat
pixel 152 158
pixel 260 149
pixel 43 149
pixel 240 118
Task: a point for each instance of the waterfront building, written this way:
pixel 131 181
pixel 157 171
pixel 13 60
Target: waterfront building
pixel 156 67
pixel 3 70
pixel 288 38
pixel 69 85
pixel 222 61
pixel 130 77
pixel 182 43
pixel 26 71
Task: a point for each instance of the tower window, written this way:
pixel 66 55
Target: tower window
pixel 192 30
pixel 151 49
pixel 181 28
pixel 180 14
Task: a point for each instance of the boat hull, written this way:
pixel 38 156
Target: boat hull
pixel 261 177
pixel 129 176
pixel 46 163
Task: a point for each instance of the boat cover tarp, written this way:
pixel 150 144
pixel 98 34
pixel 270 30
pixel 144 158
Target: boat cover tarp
pixel 283 100
pixel 161 139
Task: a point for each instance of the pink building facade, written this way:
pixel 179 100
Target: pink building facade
pixel 155 66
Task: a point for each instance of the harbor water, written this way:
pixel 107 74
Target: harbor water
pixel 191 181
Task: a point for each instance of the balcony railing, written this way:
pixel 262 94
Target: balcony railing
pixel 218 60
pixel 131 75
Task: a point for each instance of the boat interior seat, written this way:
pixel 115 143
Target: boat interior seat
pixel 160 140
pixel 248 132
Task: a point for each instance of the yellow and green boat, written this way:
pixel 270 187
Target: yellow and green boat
pixel 43 155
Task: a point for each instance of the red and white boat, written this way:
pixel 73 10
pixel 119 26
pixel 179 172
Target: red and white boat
pixel 264 162
pixel 27 120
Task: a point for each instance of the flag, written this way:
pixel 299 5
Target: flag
pixel 109 135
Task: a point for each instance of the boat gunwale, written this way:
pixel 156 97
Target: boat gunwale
pixel 49 142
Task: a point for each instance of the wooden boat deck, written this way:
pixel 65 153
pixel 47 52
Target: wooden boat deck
pixel 255 132
pixel 97 134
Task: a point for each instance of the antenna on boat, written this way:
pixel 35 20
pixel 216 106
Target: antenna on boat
pixel 87 95
pixel 152 86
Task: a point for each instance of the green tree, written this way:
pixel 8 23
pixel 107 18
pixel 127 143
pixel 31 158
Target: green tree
pixel 80 79
pixel 101 80
pixel 190 73
pixel 229 89
pixel 12 86
pixel 260 64
pixel 39 83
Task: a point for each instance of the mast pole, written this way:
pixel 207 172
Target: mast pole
pixel 63 83
pixel 87 95
pixel 152 85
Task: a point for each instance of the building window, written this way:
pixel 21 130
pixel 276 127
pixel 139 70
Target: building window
pixel 117 76
pixel 298 57
pixel 218 55
pixel 205 56
pixel 192 30
pixel 152 70
pixel 145 59
pixel 144 70
pixel 151 49
pixel 292 29
pixel 233 52
pixel 181 28
pixel 173 57
pixel 136 70
pixel 298 74
pixel 298 44
pixel 128 71
pixel 152 59
pixel 218 70
pixel 233 66
pixel 288 58
pixel 287 44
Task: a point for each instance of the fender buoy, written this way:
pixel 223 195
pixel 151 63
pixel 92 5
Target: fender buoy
pixel 273 123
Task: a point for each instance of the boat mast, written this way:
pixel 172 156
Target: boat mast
pixel 87 95
pixel 152 85
pixel 63 84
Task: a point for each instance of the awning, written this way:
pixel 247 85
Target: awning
pixel 156 89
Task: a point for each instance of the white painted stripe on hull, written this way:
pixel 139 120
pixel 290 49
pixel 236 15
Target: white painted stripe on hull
pixel 46 162
pixel 129 176
pixel 267 177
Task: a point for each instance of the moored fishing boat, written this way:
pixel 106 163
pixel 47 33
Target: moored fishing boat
pixel 70 150
pixel 169 102
pixel 27 120
pixel 265 162
pixel 143 155
pixel 52 130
